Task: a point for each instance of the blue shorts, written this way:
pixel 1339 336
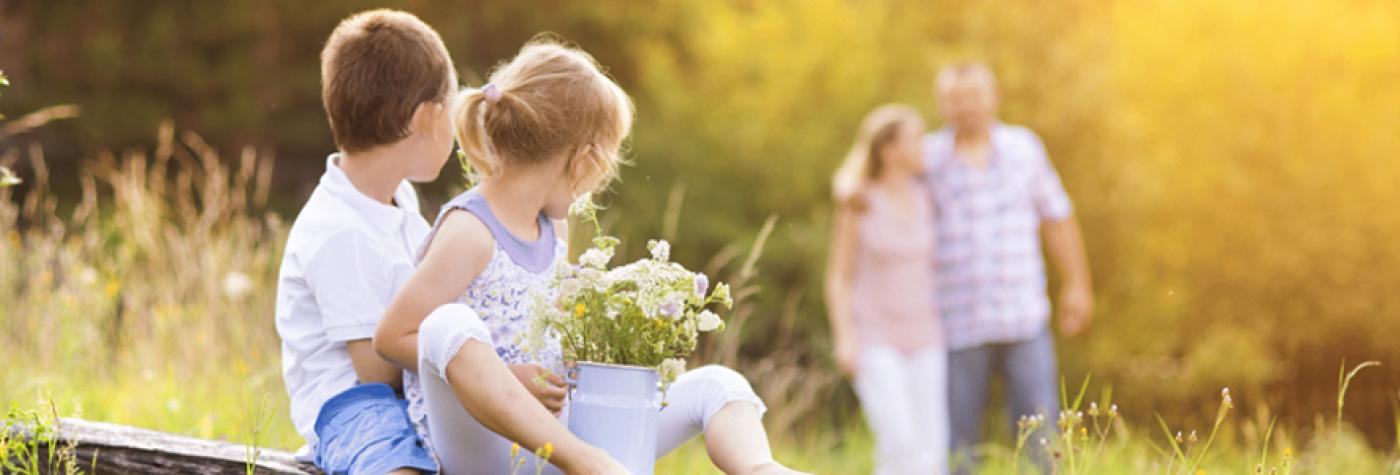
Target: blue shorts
pixel 366 430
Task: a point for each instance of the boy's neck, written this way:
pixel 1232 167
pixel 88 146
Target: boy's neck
pixel 376 172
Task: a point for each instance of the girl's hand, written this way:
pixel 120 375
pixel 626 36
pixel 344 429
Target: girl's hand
pixel 547 387
pixel 845 355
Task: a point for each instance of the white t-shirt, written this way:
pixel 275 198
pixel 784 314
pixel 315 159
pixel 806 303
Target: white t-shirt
pixel 345 258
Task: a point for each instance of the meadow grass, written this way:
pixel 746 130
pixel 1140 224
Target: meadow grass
pixel 149 302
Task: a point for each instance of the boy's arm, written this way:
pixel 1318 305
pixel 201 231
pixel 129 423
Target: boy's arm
pixel 370 367
pixel 457 253
pixel 351 282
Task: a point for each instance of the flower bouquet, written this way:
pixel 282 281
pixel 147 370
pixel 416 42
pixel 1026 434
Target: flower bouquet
pixel 628 329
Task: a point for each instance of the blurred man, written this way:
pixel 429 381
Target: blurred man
pixel 995 193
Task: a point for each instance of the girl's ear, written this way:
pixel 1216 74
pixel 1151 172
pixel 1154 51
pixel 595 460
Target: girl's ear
pixel 583 165
pixel 578 163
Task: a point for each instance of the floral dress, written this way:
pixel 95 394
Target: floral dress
pixel 502 295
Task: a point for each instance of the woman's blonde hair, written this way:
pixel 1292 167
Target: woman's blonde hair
pixel 549 99
pixel 863 162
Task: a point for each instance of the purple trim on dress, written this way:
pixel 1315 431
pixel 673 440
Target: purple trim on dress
pixel 533 255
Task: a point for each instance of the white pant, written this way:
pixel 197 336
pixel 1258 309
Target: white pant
pixel 464 446
pixel 905 399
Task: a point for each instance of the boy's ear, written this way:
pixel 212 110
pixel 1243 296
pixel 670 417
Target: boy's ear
pixel 424 117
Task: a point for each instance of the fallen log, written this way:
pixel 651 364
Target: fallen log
pixel 110 448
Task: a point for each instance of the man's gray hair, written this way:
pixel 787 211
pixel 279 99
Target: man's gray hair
pixel 960 71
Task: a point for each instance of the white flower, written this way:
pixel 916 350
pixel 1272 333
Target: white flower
pixel 595 278
pixel 709 321
pixel 87 275
pixel 660 249
pixel 583 206
pixel 237 285
pixel 671 369
pixel 596 258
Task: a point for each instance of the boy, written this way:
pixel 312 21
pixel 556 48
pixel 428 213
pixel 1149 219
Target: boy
pixel 385 82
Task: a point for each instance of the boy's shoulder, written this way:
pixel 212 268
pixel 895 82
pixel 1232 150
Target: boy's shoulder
pixel 326 217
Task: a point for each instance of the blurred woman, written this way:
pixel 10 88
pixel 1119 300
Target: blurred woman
pixel 879 291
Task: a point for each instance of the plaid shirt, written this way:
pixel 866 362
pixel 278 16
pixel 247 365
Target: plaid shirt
pixel 991 274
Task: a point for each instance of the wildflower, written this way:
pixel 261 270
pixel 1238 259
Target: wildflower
pixel 237 285
pixel 660 249
pixel 1093 409
pixel 1226 400
pixel 671 369
pixel 671 309
pixel 514 451
pixel 1191 438
pixel 596 258
pixel 722 294
pixel 580 309
pixel 1112 410
pixel 584 207
pixel 709 321
pixel 545 452
pixel 112 288
pixel 605 242
pixel 87 275
pixel 702 285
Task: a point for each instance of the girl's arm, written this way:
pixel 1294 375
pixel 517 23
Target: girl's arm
pixel 840 267
pixel 459 250
pixel 489 390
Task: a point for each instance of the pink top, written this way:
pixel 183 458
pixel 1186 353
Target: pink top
pixel 891 304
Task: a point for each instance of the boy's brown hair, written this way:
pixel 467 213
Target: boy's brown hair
pixel 376 68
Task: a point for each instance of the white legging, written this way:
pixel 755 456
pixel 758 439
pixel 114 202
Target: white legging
pixel 905 400
pixel 464 446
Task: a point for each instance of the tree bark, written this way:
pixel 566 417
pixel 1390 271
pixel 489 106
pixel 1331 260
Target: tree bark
pixel 120 449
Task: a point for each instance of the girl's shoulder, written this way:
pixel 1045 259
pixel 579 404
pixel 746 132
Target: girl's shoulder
pixel 461 236
pixel 854 200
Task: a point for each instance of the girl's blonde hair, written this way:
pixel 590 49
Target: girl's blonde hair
pixel 863 162
pixel 549 99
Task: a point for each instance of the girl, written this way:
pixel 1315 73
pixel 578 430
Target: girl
pixel 879 291
pixel 543 133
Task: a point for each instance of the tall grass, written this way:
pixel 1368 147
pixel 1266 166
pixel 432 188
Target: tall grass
pixel 148 301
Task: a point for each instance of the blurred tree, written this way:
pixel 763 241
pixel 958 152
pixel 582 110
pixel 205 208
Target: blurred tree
pixel 1233 163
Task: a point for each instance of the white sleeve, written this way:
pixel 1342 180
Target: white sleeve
pixel 350 279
